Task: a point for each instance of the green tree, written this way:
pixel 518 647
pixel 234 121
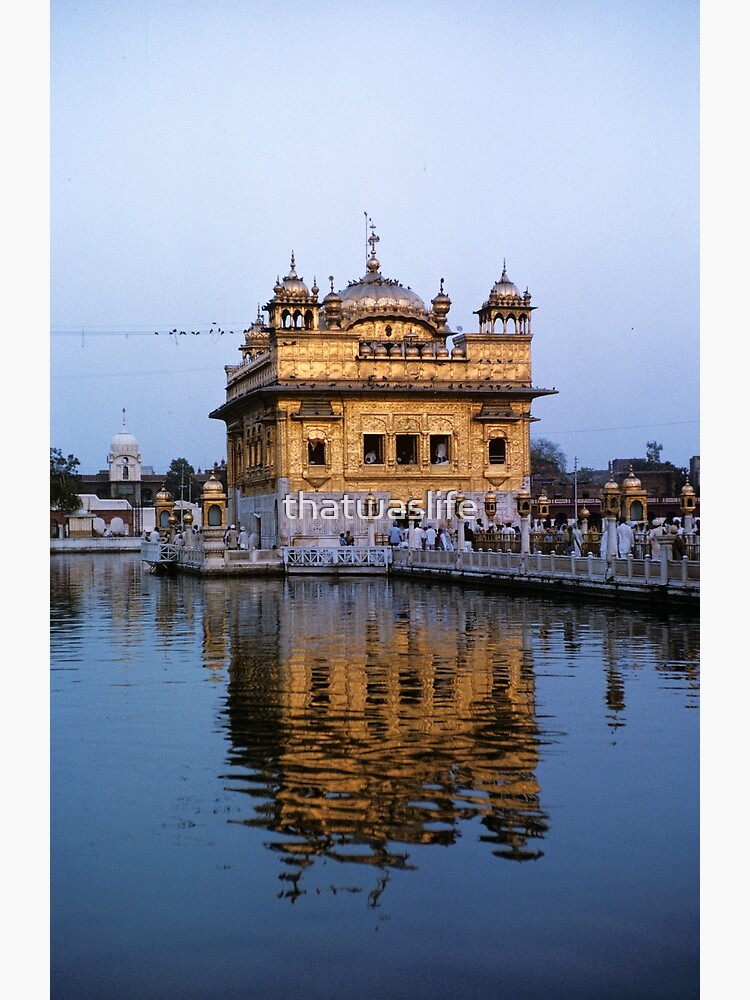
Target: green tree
pixel 181 482
pixel 653 459
pixel 63 482
pixel 653 453
pixel 548 459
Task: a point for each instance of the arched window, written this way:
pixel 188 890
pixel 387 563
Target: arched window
pixel 308 320
pixel 316 452
pixel 496 451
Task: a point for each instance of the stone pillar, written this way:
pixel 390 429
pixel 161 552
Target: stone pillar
pixel 285 528
pixel 370 507
pixel 460 536
pixel 611 529
pixel 213 548
pixel 665 555
pixel 525 546
pixel 523 504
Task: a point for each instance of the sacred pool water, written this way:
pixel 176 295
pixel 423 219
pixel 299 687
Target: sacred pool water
pixel 368 790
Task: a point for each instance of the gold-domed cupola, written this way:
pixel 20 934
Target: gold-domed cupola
pixel 505 310
pixel 631 483
pixel 633 497
pixel 163 510
pixel 256 339
pixel 504 289
pixel 293 286
pixel 214 503
pixel 294 305
pixel 687 499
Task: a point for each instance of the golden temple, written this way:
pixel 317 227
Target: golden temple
pixel 369 392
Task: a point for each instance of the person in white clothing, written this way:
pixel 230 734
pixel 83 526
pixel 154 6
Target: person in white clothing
pixel 625 539
pixel 444 540
pixel 577 540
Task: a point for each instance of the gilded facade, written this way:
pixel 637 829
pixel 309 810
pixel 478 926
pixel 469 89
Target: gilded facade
pixel 368 391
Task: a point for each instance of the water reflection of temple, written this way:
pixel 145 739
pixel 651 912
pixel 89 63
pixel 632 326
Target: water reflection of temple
pixel 422 717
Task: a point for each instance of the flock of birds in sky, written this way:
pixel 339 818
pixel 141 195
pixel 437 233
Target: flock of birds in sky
pixel 196 333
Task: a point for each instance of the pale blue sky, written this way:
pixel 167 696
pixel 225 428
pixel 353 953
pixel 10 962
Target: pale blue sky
pixel 194 145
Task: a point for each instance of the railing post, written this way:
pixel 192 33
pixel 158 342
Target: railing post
pixel 665 557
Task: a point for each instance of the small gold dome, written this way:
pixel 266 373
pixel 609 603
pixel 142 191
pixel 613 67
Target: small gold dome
pixel 164 495
pixel 631 483
pixel 687 490
pixel 212 485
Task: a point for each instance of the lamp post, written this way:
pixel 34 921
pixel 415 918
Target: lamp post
pixel 460 537
pixel 490 508
pixel 411 518
pixel 523 505
pixel 164 508
pixel 610 511
pixel 369 510
pixel 542 504
pixel 214 503
pixel 687 506
pixel 585 514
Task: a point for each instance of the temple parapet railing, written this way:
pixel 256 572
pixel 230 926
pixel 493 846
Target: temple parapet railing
pixel 332 557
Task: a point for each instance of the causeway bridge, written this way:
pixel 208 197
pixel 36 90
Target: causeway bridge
pixel 663 581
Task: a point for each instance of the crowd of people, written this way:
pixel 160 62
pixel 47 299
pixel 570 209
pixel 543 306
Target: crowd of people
pixel 636 538
pixel 240 540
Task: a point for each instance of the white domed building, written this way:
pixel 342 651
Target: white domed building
pixel 124 460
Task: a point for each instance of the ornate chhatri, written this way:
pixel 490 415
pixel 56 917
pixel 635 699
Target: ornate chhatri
pixel 369 391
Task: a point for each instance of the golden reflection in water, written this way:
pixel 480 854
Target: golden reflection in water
pixel 365 718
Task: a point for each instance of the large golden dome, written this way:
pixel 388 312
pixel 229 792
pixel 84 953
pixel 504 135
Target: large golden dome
pixel 374 294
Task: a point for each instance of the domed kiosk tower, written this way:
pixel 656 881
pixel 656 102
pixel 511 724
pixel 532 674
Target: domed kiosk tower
pixel 125 473
pixel 633 503
pixel 505 311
